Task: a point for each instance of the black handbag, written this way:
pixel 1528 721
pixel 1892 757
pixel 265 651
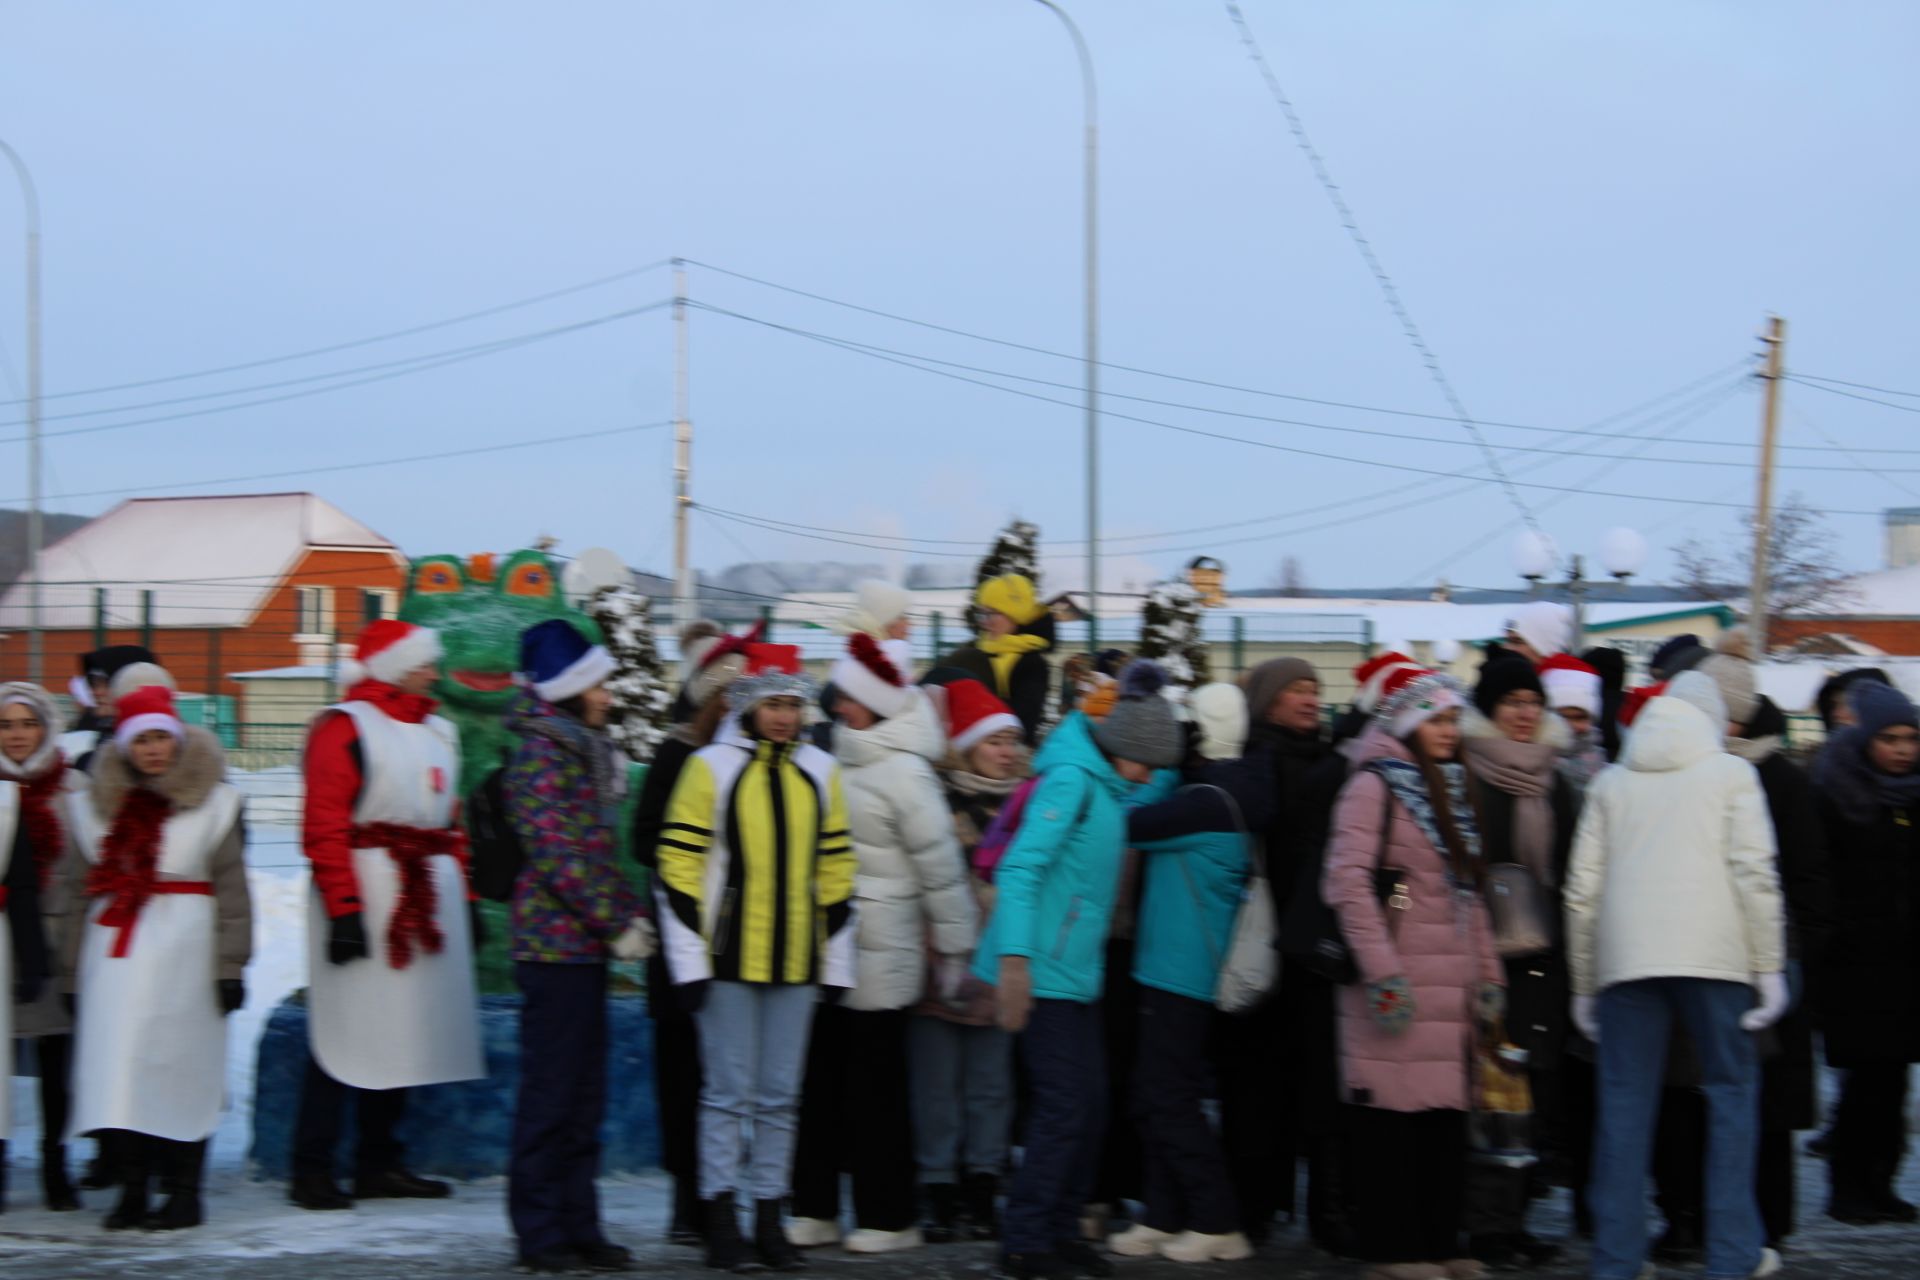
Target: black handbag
pixel 1311 936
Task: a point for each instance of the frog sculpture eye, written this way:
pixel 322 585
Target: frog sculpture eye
pixel 529 579
pixel 436 577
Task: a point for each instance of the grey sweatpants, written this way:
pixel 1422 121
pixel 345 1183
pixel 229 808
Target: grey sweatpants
pixel 962 1098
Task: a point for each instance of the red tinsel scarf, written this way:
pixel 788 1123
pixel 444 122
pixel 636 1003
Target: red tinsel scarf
pixel 414 922
pixel 42 819
pixel 129 857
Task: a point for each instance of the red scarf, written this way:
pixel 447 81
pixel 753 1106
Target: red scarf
pixel 42 820
pixel 129 857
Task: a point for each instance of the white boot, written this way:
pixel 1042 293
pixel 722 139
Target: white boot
pixel 812 1233
pixel 1193 1246
pixel 867 1240
pixel 1138 1241
pixel 1770 1264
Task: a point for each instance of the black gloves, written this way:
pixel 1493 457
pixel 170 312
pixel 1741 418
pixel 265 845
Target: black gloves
pixel 692 995
pixel 233 994
pixel 347 938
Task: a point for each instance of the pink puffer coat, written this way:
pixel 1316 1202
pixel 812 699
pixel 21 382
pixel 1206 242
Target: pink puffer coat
pixel 1445 953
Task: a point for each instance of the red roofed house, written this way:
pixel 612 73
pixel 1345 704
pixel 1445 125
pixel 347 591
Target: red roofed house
pixel 212 585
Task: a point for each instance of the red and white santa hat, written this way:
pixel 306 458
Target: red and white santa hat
pixel 974 714
pixel 1570 682
pixel 388 650
pixel 1372 676
pixel 871 678
pixel 143 711
pixel 1411 695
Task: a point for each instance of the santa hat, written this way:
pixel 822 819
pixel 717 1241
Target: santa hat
pixel 770 671
pixel 974 715
pixel 1371 677
pixel 1570 682
pixel 878 605
pixel 388 649
pixel 558 663
pixel 871 679
pixel 1546 627
pixel 143 710
pixel 1412 695
pixel 1634 699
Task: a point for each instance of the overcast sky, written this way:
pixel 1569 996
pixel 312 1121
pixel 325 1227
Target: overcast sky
pixel 1585 206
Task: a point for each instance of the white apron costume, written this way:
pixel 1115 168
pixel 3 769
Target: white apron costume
pixel 373 1026
pixel 9 821
pixel 152 1048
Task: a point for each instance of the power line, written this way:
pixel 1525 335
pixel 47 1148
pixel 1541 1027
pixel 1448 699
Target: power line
pixel 472 353
pixel 358 466
pixel 1801 415
pixel 1855 395
pixel 1857 386
pixel 1388 289
pixel 361 342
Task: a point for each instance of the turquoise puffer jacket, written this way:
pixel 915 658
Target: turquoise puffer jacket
pixel 1196 863
pixel 1056 882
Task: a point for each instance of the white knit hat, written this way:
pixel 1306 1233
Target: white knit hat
pixel 1220 714
pixel 140 675
pixel 879 604
pixel 1545 626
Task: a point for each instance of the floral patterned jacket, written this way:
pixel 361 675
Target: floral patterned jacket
pixel 563 788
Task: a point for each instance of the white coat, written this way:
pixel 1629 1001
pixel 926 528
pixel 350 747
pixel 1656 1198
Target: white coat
pixel 1673 872
pixel 912 882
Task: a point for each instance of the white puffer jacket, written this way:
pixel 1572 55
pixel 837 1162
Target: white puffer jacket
pixel 912 880
pixel 1673 872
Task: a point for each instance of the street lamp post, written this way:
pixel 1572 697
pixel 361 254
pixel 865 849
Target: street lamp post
pixel 1092 323
pixel 31 199
pixel 1623 552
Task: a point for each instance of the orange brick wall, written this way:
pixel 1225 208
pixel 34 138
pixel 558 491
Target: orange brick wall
pixel 1894 635
pixel 201 658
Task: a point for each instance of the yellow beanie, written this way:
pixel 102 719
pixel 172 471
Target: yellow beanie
pixel 1013 595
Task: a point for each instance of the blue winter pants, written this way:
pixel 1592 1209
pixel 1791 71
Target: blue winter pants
pixel 1067 1077
pixel 1636 1019
pixel 551 1197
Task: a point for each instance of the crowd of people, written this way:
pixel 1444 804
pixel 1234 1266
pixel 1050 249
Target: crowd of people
pixel 959 943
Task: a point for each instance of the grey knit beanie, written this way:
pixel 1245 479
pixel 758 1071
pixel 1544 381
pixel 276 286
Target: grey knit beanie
pixel 1142 726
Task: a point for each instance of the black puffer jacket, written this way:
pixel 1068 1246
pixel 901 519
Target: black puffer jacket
pixel 1025 691
pixel 1538 988
pixel 1866 980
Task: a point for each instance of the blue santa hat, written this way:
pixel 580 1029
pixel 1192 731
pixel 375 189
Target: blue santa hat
pixel 559 663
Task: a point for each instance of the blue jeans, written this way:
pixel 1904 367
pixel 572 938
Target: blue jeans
pixel 753 1049
pixel 1635 1021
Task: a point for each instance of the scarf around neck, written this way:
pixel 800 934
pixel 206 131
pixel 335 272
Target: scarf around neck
pixel 1525 771
pixel 591 747
pixel 1859 790
pixel 40 818
pixel 1409 787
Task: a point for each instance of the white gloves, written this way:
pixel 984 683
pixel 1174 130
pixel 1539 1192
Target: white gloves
pixel 636 942
pixel 1586 1016
pixel 949 976
pixel 1774 1001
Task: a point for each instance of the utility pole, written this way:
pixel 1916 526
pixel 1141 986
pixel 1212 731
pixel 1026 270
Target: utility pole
pixel 683 601
pixel 1776 340
pixel 31 199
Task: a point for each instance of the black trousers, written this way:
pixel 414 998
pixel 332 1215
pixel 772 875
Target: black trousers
pixel 676 1075
pixel 856 1117
pixel 1260 1142
pixel 1407 1173
pixel 54 1057
pixel 551 1198
pixel 180 1167
pixel 1679 1175
pixel 1869 1136
pixel 1118 1175
pixel 317 1129
pixel 1184 1172
pixel 1066 1071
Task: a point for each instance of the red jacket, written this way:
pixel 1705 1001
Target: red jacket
pixel 334 769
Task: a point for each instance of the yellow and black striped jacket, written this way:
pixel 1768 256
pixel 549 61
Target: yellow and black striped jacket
pixel 756 868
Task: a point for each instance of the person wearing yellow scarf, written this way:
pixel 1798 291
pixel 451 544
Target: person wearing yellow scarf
pixel 1008 655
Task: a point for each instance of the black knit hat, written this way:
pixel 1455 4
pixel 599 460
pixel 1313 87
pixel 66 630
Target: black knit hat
pixel 1506 674
pixel 1682 653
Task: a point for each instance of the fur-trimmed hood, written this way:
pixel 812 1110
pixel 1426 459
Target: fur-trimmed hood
pixel 1553 731
pixel 49 712
pixel 200 767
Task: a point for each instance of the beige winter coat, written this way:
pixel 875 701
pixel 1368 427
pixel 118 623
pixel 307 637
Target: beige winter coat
pixel 1673 872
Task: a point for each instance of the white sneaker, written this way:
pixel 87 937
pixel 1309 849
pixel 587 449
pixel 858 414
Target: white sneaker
pixel 1649 1272
pixel 1192 1246
pixel 812 1233
pixel 1093 1222
pixel 1139 1241
pixel 866 1240
pixel 1770 1264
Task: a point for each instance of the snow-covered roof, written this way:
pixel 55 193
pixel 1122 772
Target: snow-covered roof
pixel 1889 593
pixel 210 561
pixel 286 673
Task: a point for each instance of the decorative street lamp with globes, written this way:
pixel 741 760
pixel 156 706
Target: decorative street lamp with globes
pixel 1623 553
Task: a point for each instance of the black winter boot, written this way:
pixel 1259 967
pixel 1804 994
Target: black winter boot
pixel 726 1251
pixel 181 1167
pixel 979 1197
pixel 55 1187
pixel 317 1191
pixel 770 1241
pixel 939 1213
pixel 130 1150
pixel 686 1225
pixel 103 1171
pixel 3 1175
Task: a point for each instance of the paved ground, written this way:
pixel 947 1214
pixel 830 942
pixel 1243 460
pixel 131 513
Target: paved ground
pixel 254 1233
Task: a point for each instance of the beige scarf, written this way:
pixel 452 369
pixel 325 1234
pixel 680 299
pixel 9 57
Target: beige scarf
pixel 1525 771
